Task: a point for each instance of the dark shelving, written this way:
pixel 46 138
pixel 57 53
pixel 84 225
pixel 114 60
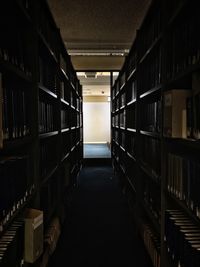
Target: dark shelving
pixel 162 160
pixel 40 122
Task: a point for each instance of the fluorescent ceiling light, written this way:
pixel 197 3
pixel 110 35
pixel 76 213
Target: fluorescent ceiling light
pixel 103 52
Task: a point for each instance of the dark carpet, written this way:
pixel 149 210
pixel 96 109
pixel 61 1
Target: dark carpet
pixel 98 230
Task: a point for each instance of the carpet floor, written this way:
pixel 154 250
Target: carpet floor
pixel 99 230
pixel 96 151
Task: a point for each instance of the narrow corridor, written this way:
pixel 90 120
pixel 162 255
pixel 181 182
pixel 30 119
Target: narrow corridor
pixel 99 231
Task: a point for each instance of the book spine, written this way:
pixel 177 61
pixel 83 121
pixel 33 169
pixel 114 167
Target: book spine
pixel 1 111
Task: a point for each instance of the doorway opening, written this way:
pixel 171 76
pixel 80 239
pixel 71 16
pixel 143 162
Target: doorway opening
pixel 96 112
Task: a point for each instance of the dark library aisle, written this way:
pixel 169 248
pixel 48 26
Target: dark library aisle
pixel 99 230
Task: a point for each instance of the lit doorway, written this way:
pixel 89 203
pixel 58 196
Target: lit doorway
pixel 96 113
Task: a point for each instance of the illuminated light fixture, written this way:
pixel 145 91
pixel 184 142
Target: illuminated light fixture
pixel 90 74
pixel 109 52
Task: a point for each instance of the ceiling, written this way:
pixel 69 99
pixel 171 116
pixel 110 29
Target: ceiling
pixel 96 83
pixel 98 34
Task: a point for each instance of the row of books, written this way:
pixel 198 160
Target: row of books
pixel 132 62
pixel 119 120
pixel 63 63
pixel 66 145
pixel 116 151
pixel 152 197
pixel 115 135
pixel 124 98
pixel 47 27
pixel 46 118
pixel 150 71
pixel 181 113
pixel 14 49
pixel 48 159
pixel 183 43
pixel 75 158
pixel 152 243
pixel 116 104
pixel 49 197
pixel 182 238
pixel 74 137
pixel 131 92
pixel 15 187
pixel 192 108
pixel 125 163
pixel 150 154
pixel 115 120
pixel 122 119
pixel 116 86
pixel 193 113
pixel 73 80
pixel 47 74
pixel 66 66
pixel 130 141
pixel 149 31
pixel 126 140
pixel 122 79
pixel 12 245
pixel 65 91
pixel 47 121
pixel 172 6
pixel 26 4
pixel 75 100
pixel 75 118
pixel 122 139
pixel 183 181
pixel 130 169
pixel 151 117
pixel 65 119
pixel 131 117
pixel 14 113
pixel 70 96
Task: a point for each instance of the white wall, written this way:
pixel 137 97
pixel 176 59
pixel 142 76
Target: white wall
pixel 96 122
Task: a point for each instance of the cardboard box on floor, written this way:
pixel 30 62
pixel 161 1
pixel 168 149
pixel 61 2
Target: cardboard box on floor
pixel 33 247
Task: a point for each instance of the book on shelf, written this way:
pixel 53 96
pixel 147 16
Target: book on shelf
pixel 12 244
pixel 150 152
pixel 152 243
pixel 1 111
pixel 181 233
pixel 15 121
pixel 122 100
pixel 62 63
pixel 46 116
pixel 62 90
pixel 131 92
pixel 182 181
pixel 122 119
pixel 131 117
pixel 14 178
pixel 151 117
pixel 174 124
pixel 195 110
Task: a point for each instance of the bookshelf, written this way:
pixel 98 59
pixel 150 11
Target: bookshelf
pixel 156 152
pixel 40 123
